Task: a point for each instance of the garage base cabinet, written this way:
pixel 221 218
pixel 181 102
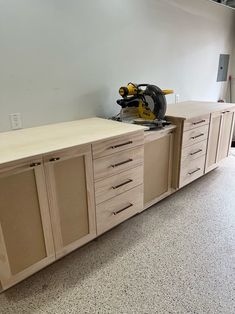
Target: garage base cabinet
pixel 204 140
pixel 26 243
pixel 49 205
pixel 79 179
pixel 118 175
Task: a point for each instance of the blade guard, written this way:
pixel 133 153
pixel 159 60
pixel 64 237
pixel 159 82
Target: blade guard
pixel 159 100
pixel 145 112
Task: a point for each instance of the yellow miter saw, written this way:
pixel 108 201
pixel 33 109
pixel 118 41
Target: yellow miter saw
pixel 143 104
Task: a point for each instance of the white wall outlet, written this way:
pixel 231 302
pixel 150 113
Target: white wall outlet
pixel 177 98
pixel 16 122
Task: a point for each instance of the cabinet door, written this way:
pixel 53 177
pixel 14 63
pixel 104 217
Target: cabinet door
pixel 157 169
pixel 71 196
pixel 26 242
pixel 213 140
pixel 226 135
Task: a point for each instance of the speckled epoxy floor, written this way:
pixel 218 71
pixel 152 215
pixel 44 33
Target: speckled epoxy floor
pixel 176 257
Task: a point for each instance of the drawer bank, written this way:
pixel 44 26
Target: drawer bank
pixel 63 185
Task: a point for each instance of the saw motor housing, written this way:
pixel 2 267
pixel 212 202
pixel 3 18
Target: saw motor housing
pixel 134 95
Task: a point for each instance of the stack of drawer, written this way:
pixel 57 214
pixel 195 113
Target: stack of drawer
pixel 118 175
pixel 194 145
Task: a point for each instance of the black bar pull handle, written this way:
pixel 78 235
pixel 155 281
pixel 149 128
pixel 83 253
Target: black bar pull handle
pixel 121 210
pixel 120 145
pixel 198 122
pixel 196 136
pixel 122 163
pixel 192 172
pixel 54 159
pixel 122 184
pixel 194 153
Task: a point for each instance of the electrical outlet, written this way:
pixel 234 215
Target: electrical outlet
pixel 177 98
pixel 16 122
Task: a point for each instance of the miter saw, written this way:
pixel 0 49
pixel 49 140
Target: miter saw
pixel 143 104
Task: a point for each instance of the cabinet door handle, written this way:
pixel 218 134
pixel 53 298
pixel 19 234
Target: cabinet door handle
pixel 198 122
pixel 122 163
pixel 35 164
pixel 196 136
pixel 192 172
pixel 194 153
pixel 122 184
pixel 228 111
pixel 121 210
pixel 120 145
pixel 54 159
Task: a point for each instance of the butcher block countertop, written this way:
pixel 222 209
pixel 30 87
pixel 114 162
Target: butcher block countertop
pixel 191 109
pixel 24 143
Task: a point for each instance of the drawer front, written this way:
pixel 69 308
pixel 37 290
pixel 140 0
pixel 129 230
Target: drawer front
pixel 110 165
pixel 194 151
pixel 115 185
pixel 191 170
pixel 118 144
pixel 195 135
pixel 118 209
pixel 193 123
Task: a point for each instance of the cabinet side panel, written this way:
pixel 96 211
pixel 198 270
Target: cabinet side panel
pixel 177 149
pixel 21 220
pixel 156 168
pixel 225 135
pixel 71 193
pixel 213 141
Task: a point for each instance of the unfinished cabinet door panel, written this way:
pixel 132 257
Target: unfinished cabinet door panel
pixel 225 134
pixel 220 135
pixel 157 169
pixel 26 242
pixel 213 140
pixel 71 197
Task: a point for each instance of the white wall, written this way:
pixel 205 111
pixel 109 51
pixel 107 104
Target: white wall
pixel 232 71
pixel 62 60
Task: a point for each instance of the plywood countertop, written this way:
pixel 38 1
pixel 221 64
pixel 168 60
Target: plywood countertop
pixel 20 144
pixel 191 109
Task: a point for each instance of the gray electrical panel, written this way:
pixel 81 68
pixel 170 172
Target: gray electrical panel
pixel 223 68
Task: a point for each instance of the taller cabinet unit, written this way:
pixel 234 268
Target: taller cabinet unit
pixel 220 135
pixel 71 196
pixel 26 243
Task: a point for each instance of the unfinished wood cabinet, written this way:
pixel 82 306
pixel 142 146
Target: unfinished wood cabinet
pixel 158 151
pixel 225 134
pixel 219 140
pixel 26 243
pixel 213 141
pixel 118 176
pixel 71 197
